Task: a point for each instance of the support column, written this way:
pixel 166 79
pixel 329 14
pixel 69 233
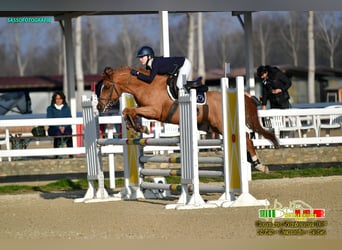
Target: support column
pixel 164 30
pixel 70 66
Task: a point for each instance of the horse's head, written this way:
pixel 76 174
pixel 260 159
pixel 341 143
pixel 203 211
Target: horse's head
pixel 112 88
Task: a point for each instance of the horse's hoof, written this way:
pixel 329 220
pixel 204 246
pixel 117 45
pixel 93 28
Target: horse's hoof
pixel 145 130
pixel 262 168
pixel 132 130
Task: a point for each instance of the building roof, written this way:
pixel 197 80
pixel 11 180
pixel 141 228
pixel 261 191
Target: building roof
pixel 292 71
pixel 52 83
pixel 40 83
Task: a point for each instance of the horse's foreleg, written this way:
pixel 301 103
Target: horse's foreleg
pixel 133 121
pixel 129 122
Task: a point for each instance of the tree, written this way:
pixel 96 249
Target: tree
pixel 263 38
pixel 291 34
pixel 329 33
pixel 126 40
pixel 179 35
pixel 21 62
pixel 223 42
pixel 92 47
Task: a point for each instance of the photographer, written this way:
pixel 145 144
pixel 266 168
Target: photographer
pixel 275 87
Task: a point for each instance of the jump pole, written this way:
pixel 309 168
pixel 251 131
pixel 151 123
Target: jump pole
pixel 235 145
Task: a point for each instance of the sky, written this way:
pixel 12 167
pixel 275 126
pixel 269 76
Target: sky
pixel 43 34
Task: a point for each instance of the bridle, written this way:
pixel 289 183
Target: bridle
pixel 109 103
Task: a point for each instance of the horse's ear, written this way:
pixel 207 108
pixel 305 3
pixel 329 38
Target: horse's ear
pixel 104 76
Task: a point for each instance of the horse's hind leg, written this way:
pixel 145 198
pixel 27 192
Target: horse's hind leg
pixel 255 161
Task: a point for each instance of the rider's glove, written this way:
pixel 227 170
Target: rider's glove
pixel 134 72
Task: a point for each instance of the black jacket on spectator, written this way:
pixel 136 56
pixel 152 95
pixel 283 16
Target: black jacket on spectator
pixel 276 80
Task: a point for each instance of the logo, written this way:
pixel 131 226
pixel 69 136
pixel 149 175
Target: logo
pixel 296 215
pixel 297 209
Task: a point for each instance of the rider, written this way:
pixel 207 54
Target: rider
pixel 162 66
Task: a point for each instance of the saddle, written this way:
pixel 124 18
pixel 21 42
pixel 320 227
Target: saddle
pixel 194 84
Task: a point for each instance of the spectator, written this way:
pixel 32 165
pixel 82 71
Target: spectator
pixel 59 109
pixel 113 110
pixel 275 87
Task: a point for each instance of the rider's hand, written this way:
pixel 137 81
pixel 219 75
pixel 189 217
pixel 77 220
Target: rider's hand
pixel 134 72
pixel 276 91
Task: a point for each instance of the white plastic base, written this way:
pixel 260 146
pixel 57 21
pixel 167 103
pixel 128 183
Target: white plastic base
pixel 195 202
pixel 223 199
pixel 91 196
pixel 244 200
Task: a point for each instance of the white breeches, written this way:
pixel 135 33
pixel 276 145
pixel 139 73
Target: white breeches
pixel 186 70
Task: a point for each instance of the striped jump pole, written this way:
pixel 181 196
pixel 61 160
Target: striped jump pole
pixel 175 141
pixel 176 172
pixel 180 188
pixel 168 159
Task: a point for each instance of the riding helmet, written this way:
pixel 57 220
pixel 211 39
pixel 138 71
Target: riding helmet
pixel 145 51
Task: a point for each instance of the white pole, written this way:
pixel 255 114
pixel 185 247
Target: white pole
pixel 250 59
pixel 243 164
pixel 224 87
pixel 164 30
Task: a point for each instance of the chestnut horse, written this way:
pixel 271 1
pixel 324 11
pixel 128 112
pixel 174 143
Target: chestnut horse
pixel 153 102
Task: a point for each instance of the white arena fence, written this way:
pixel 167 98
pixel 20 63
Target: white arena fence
pixel 302 127
pixel 293 127
pixel 40 150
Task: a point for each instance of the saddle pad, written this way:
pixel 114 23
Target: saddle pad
pixel 201 96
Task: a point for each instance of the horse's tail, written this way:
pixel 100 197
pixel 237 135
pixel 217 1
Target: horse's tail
pixel 253 122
